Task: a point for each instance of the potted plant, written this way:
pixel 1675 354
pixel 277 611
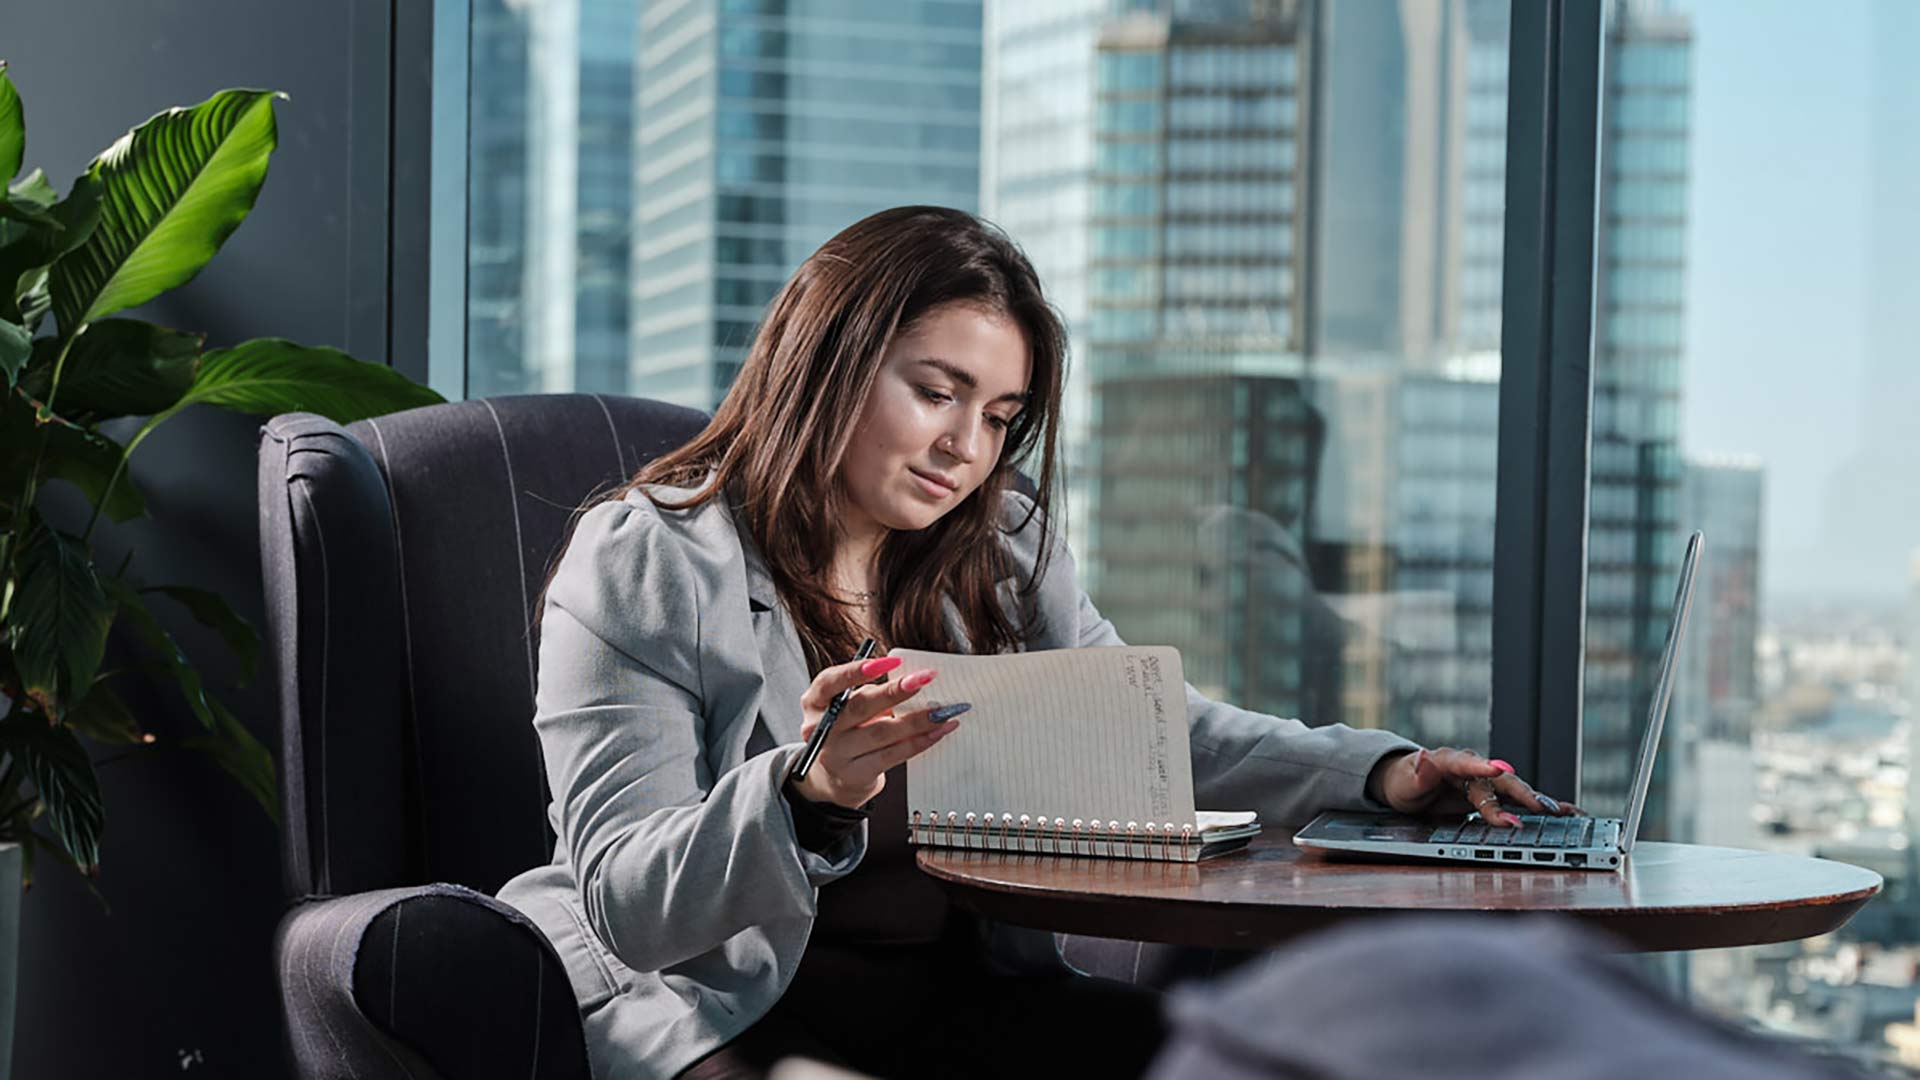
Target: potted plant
pixel 147 214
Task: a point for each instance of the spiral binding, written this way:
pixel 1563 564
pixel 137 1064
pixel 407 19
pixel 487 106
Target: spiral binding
pixel 1035 834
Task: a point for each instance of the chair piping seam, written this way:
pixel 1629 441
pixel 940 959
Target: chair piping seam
pixel 406 629
pixel 326 605
pixel 520 554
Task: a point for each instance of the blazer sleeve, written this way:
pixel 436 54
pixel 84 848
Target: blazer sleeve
pixel 670 861
pixel 1242 760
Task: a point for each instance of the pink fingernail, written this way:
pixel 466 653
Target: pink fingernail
pixel 1501 765
pixel 1511 820
pixel 917 680
pixel 880 665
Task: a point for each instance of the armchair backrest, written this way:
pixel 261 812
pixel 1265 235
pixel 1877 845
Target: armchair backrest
pixel 402 556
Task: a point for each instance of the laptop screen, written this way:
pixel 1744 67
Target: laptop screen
pixel 1662 690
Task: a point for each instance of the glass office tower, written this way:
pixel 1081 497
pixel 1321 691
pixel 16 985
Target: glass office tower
pixel 497 210
pixel 1203 439
pixel 1634 539
pixel 1037 183
pixel 550 130
pixel 1710 723
pixel 764 127
pixel 1291 333
pixel 644 176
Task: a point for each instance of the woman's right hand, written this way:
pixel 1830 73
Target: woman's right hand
pixel 870 737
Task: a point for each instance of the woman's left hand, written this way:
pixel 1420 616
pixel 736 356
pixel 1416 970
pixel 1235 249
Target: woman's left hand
pixel 1444 780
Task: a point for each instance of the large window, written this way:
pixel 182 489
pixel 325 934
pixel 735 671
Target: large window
pixel 643 174
pixel 1285 462
pixel 1278 233
pixel 1755 377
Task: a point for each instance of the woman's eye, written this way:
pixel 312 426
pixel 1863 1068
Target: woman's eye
pixel 998 423
pixel 934 396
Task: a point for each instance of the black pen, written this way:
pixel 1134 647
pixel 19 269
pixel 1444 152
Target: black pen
pixel 819 738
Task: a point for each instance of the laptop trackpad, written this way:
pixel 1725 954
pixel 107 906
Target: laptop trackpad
pixel 1370 827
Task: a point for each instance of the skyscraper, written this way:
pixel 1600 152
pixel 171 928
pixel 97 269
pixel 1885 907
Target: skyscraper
pixel 550 132
pixel 1037 183
pixel 644 176
pixel 1203 441
pixel 1634 540
pixel 1312 194
pixel 766 126
pixel 1288 201
pixel 1709 733
pixel 497 211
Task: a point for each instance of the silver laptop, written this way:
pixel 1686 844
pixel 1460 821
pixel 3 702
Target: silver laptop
pixel 1540 840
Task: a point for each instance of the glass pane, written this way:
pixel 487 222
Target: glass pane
pixel 1282 420
pixel 1756 375
pixel 644 174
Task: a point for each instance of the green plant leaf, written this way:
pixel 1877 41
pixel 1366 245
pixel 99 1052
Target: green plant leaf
pixel 61 773
pixel 34 191
pixel 271 375
pixel 13 128
pixel 29 199
pixel 57 624
pixel 16 344
pixel 156 636
pixel 27 251
pixel 119 367
pixel 210 610
pixel 30 301
pixel 103 717
pixel 172 190
pixel 235 750
pixel 85 459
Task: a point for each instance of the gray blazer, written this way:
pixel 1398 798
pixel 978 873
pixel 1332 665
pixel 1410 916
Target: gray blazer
pixel 668 710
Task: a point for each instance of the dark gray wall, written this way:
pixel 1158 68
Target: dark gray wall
pixel 177 978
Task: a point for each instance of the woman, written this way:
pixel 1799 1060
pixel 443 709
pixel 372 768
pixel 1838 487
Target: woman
pixel 858 481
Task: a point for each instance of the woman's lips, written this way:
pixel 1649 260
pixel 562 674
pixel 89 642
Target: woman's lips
pixel 931 486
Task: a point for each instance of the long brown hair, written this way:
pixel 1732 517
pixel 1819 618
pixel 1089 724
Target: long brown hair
pixel 775 445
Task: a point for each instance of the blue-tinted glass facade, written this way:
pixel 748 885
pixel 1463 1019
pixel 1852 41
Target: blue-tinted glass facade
pixel 644 176
pixel 1634 514
pixel 766 127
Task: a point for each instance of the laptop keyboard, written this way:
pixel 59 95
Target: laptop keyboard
pixel 1535 830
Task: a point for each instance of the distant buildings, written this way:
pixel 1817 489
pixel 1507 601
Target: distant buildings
pixel 1636 530
pixel 1911 639
pixel 1706 794
pixel 1313 195
pixel 647 173
pixel 764 128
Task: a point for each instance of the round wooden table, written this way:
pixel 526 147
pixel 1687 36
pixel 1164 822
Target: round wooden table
pixel 1669 896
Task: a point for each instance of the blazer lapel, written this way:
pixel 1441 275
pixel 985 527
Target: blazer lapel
pixel 783 666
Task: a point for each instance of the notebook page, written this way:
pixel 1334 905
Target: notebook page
pixel 1095 733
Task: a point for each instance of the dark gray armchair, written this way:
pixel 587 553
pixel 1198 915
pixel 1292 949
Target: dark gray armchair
pixel 402 556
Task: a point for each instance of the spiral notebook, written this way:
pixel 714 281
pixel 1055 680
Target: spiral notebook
pixel 1065 752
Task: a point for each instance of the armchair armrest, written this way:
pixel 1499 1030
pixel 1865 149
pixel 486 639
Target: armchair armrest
pixel 429 981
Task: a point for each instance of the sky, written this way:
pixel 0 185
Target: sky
pixel 1777 363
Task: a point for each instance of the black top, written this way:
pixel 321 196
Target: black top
pixel 886 900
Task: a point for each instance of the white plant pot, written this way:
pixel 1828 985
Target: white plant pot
pixel 9 949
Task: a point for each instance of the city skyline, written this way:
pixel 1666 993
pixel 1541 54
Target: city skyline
pixel 1275 229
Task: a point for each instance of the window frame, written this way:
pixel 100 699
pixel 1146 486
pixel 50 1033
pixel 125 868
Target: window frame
pixel 1555 54
pixel 1554 118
